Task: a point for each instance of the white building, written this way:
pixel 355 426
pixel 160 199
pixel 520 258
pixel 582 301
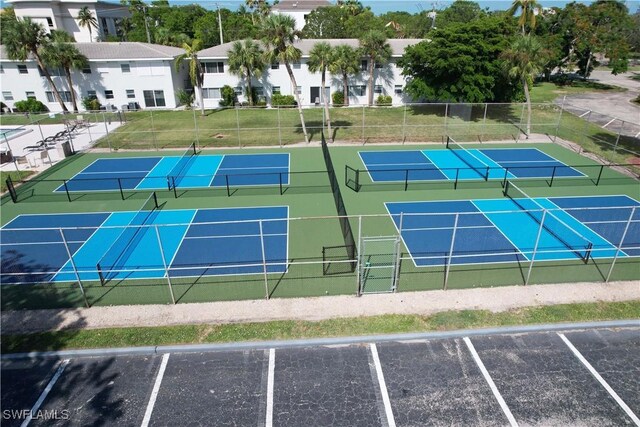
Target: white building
pixel 388 79
pixel 61 15
pixel 118 74
pixel 299 9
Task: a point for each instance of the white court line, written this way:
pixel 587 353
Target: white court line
pixel 45 393
pixel 270 378
pixel 156 389
pixel 601 380
pixel 391 422
pixel 492 385
pixel 584 114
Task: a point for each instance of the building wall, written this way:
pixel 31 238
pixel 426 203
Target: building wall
pixel 388 77
pixel 105 76
pixel 297 15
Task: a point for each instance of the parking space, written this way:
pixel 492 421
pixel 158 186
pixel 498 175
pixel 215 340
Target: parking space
pixel 584 377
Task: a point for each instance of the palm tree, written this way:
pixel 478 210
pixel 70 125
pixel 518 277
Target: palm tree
pixel 245 60
pixel 62 54
pixel 24 38
pixel 320 56
pixel 86 19
pixel 524 60
pixel 279 34
pixel 196 73
pixel 375 47
pixel 346 61
pixel 529 10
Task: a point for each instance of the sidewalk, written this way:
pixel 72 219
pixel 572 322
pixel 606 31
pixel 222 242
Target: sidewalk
pixel 319 308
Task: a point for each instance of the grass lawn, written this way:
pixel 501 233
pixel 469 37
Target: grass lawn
pixel 15 176
pixel 283 330
pixel 547 92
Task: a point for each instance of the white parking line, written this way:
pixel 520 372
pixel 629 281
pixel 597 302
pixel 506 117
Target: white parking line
pixel 270 376
pixel 608 123
pixel 601 380
pixel 156 389
pixel 492 385
pixel 45 393
pixel 391 422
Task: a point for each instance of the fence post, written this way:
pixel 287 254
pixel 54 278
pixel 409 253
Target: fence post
pixel 153 132
pixel 15 162
pixel 585 131
pixel 73 265
pixel 446 114
pixel 453 239
pixel 279 128
pixel 106 128
pixel 238 126
pixel 615 147
pixel 484 122
pixel 624 234
pixel 164 264
pixel 520 125
pixel 535 247
pixel 363 140
pixel 358 257
pixel 195 124
pixel 45 148
pixel 564 98
pixel 404 124
pixel 264 261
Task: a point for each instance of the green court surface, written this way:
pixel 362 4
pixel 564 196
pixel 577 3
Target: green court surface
pixel 320 261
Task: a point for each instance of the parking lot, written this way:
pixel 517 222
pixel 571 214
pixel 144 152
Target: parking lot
pixel 577 377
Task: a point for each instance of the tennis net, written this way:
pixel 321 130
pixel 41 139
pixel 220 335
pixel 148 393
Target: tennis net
pixel 173 178
pixel 569 237
pixel 119 250
pixel 468 158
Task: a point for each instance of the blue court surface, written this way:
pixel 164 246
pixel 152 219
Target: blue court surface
pixel 199 171
pixel 194 243
pixel 499 230
pixel 472 164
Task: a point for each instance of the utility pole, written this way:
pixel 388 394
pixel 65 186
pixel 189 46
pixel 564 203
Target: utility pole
pixel 220 24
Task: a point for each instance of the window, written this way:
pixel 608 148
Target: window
pixel 30 95
pixel 377 65
pixel 87 69
pixel 108 94
pixel 378 89
pixel 259 91
pixel 237 90
pixel 154 98
pixel 275 65
pixel 7 96
pixel 91 94
pixel 213 67
pixel 49 22
pixel 58 71
pixel 299 90
pixel 22 69
pixel 398 89
pixel 105 28
pixel 211 92
pixel 363 65
pixel 126 68
pixel 131 94
pixel 357 90
pixel 64 94
pixel 1 69
pixel 297 65
pixel 275 90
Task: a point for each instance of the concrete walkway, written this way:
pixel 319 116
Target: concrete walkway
pixel 420 303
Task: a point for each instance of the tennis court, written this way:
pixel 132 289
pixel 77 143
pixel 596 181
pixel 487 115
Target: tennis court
pixel 518 228
pixel 190 170
pixel 148 244
pixel 458 163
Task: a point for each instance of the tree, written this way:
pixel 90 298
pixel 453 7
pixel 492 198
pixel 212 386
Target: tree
pixel 23 38
pixel 524 60
pixel 279 35
pixel 87 20
pixel 346 61
pixel 60 53
pixel 375 47
pixel 528 11
pixel 246 59
pixel 335 22
pixel 196 73
pixel 320 57
pixel 61 36
pixel 261 8
pixel 460 11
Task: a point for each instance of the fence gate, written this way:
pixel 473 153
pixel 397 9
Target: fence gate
pixel 378 264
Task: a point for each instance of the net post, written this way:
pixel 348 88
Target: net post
pixel 453 239
pixel 175 188
pixel 280 179
pixel 406 179
pixel 66 189
pixel 75 269
pixel 358 258
pixel 455 184
pixel 506 174
pixel 164 263
pixel 155 200
pixel 535 247
pixel 226 179
pixel 486 176
pixel 619 247
pixel 599 175
pixel 120 188
pixel 12 189
pixel 264 261
pixel 553 174
pixel 357 180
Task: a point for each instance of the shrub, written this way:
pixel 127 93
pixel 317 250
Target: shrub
pixel 229 97
pixel 282 100
pixel 338 99
pixel 30 106
pixel 383 100
pixel 185 98
pixel 91 103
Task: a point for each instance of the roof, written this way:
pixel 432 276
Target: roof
pixel 121 51
pixel 397 46
pixel 303 5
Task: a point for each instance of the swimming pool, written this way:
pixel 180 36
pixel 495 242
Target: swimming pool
pixel 7 133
